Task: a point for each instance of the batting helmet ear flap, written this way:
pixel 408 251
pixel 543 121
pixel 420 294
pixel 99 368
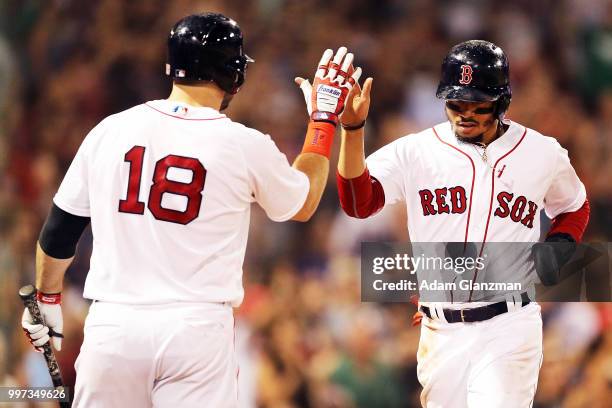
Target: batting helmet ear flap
pixel 236 71
pixel 501 106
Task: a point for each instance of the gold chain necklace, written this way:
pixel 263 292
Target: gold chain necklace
pixel 483 146
pixel 483 155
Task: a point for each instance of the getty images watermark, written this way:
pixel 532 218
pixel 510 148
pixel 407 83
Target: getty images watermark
pixel 460 272
pixel 410 264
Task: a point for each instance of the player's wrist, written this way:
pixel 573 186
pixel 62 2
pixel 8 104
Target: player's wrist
pixel 49 298
pixel 349 127
pixel 560 237
pixel 322 116
pixel 319 138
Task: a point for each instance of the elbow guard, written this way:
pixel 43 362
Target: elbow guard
pixel 61 232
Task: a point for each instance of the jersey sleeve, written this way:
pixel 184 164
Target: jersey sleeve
pixel 73 193
pixel 385 165
pixel 277 187
pixel 566 192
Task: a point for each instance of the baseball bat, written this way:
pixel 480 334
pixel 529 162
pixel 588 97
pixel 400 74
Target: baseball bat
pixel 28 296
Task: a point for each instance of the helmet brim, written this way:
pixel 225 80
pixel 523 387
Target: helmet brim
pixel 464 93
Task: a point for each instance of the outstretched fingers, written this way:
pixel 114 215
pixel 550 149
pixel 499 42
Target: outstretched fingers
pixel 334 66
pixel 304 84
pixel 367 88
pixel 353 84
pixel 306 89
pixel 323 63
pixel 343 73
pixel 353 80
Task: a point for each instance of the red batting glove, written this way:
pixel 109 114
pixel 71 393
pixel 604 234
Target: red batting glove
pixel 325 99
pixel 333 81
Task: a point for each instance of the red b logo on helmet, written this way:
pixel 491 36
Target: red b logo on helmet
pixel 466 75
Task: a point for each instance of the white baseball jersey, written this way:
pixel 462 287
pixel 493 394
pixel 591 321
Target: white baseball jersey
pixel 169 188
pixel 458 192
pixel 453 195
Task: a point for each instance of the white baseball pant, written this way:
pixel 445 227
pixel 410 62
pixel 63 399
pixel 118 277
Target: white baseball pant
pixel 168 355
pixel 494 363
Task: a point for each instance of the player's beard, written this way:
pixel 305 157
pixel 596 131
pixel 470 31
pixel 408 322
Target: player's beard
pixel 479 137
pixel 472 139
pixel 227 98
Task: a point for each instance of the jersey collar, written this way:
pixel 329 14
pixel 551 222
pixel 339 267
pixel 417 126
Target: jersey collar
pixel 508 140
pixel 184 111
pixel 505 141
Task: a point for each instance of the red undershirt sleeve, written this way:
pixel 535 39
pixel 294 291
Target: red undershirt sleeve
pixel 362 196
pixel 573 223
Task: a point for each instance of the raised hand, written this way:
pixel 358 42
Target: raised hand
pixel 357 105
pixel 333 82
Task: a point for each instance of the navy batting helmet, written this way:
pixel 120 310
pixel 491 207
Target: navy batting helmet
pixel 476 71
pixel 207 47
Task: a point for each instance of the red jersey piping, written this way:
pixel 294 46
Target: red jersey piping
pixel 467 225
pixel 484 238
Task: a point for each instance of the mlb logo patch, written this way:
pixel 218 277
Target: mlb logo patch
pixel 181 110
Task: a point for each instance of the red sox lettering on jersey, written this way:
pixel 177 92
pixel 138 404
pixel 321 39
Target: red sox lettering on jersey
pixel 438 202
pixel 454 195
pixel 522 210
pixel 452 200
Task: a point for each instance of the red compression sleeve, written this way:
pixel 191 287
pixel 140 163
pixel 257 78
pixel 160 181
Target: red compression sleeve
pixel 362 196
pixel 572 223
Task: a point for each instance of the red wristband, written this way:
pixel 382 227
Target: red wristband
pixel 319 138
pixel 49 298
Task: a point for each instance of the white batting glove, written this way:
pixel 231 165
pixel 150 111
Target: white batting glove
pixel 333 80
pixel 51 312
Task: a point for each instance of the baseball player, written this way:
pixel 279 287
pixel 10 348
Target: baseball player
pixel 168 186
pixel 474 178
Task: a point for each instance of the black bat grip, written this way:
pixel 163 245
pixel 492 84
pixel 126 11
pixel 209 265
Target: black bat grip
pixel 28 296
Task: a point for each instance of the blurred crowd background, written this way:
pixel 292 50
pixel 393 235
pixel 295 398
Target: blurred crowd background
pixel 303 337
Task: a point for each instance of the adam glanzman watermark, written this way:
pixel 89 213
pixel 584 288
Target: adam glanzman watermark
pixel 457 265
